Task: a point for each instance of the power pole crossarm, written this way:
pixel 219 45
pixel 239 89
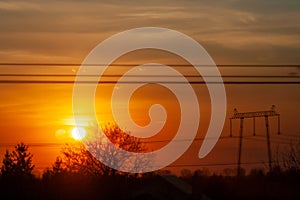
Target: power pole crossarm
pixel 254 114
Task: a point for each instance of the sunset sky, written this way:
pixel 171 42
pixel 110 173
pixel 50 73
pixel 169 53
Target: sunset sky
pixel 233 32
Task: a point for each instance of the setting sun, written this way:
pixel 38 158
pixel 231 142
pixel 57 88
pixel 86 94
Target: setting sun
pixel 78 133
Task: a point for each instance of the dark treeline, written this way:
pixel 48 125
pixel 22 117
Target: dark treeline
pixel 76 174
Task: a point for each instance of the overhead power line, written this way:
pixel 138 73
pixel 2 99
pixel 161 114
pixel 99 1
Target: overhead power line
pixel 26 78
pixel 144 75
pixel 137 64
pixel 219 164
pixel 147 82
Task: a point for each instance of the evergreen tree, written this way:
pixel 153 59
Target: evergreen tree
pixel 57 166
pixel 18 163
pixel 22 160
pixel 7 165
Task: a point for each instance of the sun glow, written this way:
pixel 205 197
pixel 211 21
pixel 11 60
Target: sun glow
pixel 78 133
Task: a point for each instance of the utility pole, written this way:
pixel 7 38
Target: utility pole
pixel 230 127
pixel 268 141
pixel 240 146
pixel 254 115
pixel 254 126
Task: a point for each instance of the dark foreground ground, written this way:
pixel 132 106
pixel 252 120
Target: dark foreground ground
pixel 152 186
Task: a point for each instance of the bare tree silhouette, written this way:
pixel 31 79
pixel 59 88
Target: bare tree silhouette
pixel 78 159
pixel 291 159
